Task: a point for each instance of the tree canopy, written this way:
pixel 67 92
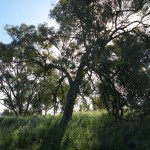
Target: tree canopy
pixel 104 54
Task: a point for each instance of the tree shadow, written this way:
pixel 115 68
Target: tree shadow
pixel 54 137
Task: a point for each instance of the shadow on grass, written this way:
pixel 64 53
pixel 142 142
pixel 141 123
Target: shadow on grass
pixel 54 137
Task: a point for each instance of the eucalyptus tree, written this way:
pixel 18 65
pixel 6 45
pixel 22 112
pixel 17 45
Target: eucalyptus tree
pixel 87 28
pixel 17 85
pixel 25 83
pixel 130 86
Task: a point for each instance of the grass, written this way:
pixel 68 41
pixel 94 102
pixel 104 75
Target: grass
pixel 86 131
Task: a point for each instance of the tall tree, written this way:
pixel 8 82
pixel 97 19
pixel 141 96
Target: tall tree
pixel 24 79
pixel 17 84
pixel 88 27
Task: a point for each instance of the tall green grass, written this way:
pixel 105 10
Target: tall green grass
pixel 24 132
pixel 86 131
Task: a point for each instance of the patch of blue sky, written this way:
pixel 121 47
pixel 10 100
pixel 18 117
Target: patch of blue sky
pixel 31 12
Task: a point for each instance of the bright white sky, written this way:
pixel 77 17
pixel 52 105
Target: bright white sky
pixel 15 12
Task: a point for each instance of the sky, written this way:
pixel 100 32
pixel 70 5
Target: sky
pixel 30 12
pixel 15 12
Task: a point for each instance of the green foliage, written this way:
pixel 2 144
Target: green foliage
pixel 23 133
pixel 84 131
pixel 51 93
pixel 91 33
pixel 94 26
pixel 25 85
pixel 16 83
pixel 125 81
pixel 7 112
pixel 90 130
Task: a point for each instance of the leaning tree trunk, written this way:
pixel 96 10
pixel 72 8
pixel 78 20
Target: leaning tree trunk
pixel 74 89
pixel 72 94
pixel 70 100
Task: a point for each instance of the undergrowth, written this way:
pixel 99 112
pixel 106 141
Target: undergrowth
pixel 86 131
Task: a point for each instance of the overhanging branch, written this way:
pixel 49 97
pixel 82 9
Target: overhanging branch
pixel 52 66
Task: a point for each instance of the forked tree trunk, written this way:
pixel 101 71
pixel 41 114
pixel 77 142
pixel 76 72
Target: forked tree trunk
pixel 74 88
pixel 73 91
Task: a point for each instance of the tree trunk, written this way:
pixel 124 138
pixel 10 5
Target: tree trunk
pixel 16 114
pixel 70 100
pixel 20 111
pixel 73 91
pixel 20 107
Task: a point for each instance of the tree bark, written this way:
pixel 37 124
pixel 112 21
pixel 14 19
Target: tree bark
pixel 74 89
pixel 70 100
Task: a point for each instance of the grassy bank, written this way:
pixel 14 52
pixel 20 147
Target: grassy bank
pixel 86 131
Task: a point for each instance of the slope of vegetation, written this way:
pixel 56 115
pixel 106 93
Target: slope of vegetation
pixel 86 131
